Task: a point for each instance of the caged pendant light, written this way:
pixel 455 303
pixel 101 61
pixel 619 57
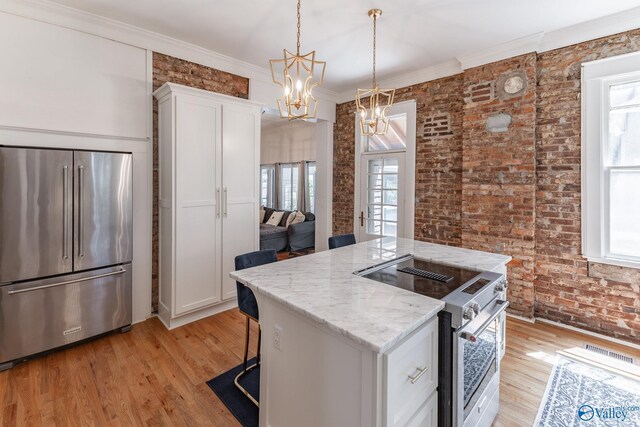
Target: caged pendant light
pixel 372 104
pixel 297 75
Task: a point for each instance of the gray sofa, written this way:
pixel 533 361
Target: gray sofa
pixel 294 238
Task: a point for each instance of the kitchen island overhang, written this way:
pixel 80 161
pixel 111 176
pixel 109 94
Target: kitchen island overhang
pixel 336 347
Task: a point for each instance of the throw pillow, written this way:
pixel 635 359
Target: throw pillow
pixel 290 218
pixel 261 216
pixel 283 222
pixel 298 217
pixel 275 218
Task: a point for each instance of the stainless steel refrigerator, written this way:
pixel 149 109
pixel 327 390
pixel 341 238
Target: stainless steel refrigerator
pixel 66 245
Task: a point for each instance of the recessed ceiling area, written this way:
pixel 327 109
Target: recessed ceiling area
pixel 412 34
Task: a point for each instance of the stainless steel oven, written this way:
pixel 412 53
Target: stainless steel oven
pixel 470 333
pixel 476 368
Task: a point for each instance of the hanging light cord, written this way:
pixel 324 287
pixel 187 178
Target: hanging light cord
pixel 374 52
pixel 298 37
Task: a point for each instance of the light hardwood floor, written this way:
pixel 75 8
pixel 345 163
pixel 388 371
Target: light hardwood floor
pixel 151 376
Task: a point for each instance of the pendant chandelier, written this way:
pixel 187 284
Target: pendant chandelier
pixel 373 103
pixel 297 75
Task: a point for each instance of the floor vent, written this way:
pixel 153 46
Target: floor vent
pixel 609 353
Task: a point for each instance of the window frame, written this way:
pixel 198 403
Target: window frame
pixel 312 197
pixel 281 191
pixel 597 78
pixel 271 185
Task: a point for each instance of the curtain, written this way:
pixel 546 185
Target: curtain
pixel 276 194
pixel 303 188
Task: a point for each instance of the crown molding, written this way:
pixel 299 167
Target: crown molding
pixel 503 51
pixel 590 30
pixel 68 17
pixel 434 72
pixel 75 19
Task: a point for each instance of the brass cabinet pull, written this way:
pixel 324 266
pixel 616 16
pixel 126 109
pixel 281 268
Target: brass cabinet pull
pixel 420 373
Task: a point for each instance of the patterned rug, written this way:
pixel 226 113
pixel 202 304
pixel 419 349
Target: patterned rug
pixel 580 395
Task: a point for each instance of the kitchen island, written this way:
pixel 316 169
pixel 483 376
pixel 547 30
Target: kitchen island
pixel 342 350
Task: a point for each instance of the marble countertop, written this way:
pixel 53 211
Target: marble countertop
pixel 322 287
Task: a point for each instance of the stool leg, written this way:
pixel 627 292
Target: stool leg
pixel 246 347
pixel 259 340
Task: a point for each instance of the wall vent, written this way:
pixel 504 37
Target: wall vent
pixel 609 353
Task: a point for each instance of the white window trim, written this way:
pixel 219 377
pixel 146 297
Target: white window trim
pixel 409 108
pixel 597 76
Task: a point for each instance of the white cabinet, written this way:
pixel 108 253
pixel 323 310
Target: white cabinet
pixel 411 376
pixel 208 205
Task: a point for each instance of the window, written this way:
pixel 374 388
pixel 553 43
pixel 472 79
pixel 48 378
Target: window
pixel 611 161
pixel 267 186
pixel 311 186
pixel 394 139
pixel 289 174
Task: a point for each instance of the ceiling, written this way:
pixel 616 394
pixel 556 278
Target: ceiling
pixel 412 34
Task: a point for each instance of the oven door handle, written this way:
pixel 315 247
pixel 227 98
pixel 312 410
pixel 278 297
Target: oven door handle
pixel 471 331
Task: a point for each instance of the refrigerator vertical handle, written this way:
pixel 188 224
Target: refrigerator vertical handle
pixel 225 201
pixel 218 202
pixel 80 211
pixel 65 212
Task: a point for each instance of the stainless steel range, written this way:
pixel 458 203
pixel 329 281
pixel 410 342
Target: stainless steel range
pixel 470 333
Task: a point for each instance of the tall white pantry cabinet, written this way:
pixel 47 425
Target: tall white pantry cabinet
pixel 209 161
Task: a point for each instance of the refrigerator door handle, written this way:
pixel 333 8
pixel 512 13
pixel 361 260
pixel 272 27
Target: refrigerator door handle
pixel 80 209
pixel 68 282
pixel 65 212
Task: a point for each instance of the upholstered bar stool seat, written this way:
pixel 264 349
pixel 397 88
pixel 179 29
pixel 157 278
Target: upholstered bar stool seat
pixel 249 307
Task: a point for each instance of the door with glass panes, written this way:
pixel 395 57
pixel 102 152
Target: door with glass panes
pixel 381 195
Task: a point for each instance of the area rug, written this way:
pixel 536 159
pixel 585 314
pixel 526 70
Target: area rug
pixel 238 404
pixel 581 395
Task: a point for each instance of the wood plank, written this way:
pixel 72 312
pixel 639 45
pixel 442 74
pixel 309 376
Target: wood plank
pixel 155 377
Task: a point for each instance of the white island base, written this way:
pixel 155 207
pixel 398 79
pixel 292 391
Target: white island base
pixel 341 350
pixel 316 377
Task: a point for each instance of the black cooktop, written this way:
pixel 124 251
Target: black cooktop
pixel 424 277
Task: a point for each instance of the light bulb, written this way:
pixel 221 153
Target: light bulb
pixel 298 84
pixel 363 114
pixel 378 111
pixel 287 91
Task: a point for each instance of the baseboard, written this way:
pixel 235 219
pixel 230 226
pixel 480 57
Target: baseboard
pixel 591 334
pixel 522 318
pixel 197 315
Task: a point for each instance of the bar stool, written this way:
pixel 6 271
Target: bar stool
pixel 341 240
pixel 249 307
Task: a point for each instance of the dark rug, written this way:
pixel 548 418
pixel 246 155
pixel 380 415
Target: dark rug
pixel 238 404
pixel 580 395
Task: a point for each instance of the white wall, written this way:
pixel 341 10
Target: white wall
pixel 62 88
pixel 54 78
pixel 288 142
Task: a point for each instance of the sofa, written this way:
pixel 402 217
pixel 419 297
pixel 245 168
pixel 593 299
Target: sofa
pixel 294 238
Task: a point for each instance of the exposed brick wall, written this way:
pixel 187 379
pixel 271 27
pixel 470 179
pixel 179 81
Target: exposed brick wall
pixel 516 192
pixel 438 161
pixel 498 174
pixel 595 297
pixel 170 69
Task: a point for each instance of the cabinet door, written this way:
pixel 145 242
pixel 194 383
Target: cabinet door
pixel 240 165
pixel 197 231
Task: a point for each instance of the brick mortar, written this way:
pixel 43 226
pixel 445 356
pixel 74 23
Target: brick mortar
pixel 517 193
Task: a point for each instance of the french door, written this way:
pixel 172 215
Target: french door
pixel 382 195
